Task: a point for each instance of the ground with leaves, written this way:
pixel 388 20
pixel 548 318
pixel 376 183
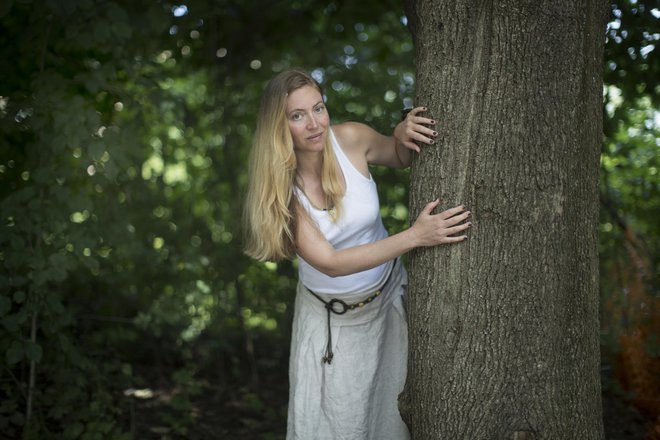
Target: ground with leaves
pixel 239 414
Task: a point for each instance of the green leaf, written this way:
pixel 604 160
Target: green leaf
pixel 17 243
pixel 73 431
pixel 59 264
pixel 110 170
pixel 96 149
pixel 18 419
pixel 91 263
pixel 33 351
pixel 14 353
pixel 5 305
pixel 13 321
pixel 5 7
pixel 59 260
pixel 55 303
pixel 38 277
pixel 18 281
pixel 19 297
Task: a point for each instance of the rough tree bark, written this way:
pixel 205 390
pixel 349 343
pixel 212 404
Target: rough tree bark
pixel 504 334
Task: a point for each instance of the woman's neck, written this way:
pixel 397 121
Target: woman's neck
pixel 309 165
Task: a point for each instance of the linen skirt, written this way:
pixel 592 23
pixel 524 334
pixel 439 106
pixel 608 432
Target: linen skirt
pixel 354 397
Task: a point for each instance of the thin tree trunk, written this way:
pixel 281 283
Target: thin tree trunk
pixel 32 380
pixel 504 334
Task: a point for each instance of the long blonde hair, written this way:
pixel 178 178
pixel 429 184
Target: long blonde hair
pixel 271 205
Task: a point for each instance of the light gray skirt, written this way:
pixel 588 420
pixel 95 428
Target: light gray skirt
pixel 354 397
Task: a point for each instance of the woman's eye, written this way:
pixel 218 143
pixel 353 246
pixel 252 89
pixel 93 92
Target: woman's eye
pixel 319 109
pixel 296 116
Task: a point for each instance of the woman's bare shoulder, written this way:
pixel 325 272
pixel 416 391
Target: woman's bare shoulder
pixel 352 135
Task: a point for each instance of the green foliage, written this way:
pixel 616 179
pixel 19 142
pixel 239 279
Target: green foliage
pixel 630 165
pixel 124 130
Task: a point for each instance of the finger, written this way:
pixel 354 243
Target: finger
pixel 451 212
pixel 430 206
pixel 423 120
pixel 456 229
pixel 413 115
pixel 419 137
pixel 423 134
pixel 424 130
pixel 458 239
pixel 412 146
pixel 417 110
pixel 451 221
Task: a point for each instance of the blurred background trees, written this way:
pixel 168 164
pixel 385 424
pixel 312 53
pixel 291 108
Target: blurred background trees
pixel 127 308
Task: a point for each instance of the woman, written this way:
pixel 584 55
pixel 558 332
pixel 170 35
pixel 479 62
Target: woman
pixel 310 194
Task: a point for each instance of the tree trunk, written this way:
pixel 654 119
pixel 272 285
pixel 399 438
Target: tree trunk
pixel 504 333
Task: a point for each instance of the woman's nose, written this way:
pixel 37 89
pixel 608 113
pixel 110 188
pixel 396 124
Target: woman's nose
pixel 312 122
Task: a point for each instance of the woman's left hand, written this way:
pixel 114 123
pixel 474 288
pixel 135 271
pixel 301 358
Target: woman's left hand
pixel 414 128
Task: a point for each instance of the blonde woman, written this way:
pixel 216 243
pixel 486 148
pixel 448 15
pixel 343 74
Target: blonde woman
pixel 311 195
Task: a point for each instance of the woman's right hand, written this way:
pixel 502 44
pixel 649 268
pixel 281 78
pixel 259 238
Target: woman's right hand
pixel 434 229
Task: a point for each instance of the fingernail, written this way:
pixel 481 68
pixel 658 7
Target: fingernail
pixel 469 223
pixel 432 142
pixel 465 237
pixel 433 122
pixel 469 214
pixel 424 108
pixel 435 133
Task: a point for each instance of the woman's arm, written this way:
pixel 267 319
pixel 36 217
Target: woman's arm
pixel 391 151
pixel 428 230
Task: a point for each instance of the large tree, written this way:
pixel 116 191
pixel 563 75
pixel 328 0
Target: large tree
pixel 504 335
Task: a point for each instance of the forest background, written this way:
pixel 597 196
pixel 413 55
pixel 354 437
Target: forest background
pixel 127 308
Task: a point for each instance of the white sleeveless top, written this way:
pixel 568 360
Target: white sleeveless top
pixel 360 223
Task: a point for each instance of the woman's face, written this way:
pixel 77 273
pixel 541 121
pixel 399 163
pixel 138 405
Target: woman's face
pixel 308 119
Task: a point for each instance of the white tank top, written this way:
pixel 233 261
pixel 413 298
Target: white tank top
pixel 360 223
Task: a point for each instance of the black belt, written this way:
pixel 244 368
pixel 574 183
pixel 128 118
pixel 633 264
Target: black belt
pixel 330 307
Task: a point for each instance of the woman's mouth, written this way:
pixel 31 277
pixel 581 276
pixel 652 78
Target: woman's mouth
pixel 315 137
